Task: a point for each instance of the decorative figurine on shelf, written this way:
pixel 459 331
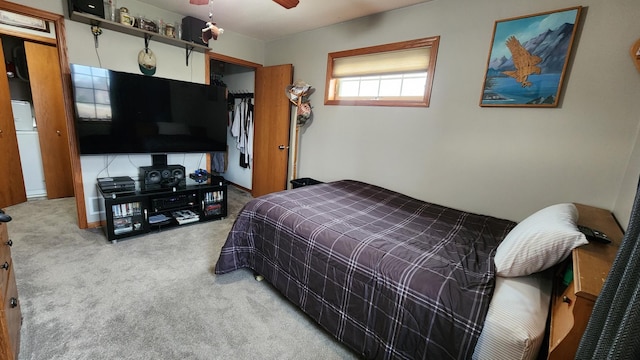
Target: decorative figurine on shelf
pixel 170 30
pixel 125 17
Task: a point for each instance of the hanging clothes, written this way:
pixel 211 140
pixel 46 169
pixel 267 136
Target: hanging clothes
pixel 242 131
pixel 236 126
pixel 219 162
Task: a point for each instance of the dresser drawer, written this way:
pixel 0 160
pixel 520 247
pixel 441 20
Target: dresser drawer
pixel 562 315
pixel 5 258
pixel 5 250
pixel 13 314
pixel 10 313
pixel 570 313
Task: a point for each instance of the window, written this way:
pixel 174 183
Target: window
pixel 398 74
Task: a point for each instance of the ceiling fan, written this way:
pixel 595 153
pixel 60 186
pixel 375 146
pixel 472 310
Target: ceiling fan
pixel 287 4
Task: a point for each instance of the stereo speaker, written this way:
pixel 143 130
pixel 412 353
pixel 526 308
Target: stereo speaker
pixel 93 7
pixel 157 177
pixel 159 160
pixel 192 30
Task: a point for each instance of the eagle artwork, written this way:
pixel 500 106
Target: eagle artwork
pixel 524 62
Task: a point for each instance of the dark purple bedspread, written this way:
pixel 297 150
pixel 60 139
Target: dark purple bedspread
pixel 388 275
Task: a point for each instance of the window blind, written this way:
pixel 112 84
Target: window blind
pixel 388 62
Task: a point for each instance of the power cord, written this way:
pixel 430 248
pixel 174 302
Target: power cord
pixel 96 31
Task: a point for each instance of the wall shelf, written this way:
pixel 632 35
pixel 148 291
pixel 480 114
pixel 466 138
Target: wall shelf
pixel 130 30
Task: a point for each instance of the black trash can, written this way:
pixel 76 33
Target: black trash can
pixel 296 183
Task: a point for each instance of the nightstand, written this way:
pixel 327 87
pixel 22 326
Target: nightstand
pixel 571 305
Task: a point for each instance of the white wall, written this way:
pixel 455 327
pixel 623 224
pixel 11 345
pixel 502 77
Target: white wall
pixel 627 194
pixel 119 51
pixel 506 162
pixel 499 161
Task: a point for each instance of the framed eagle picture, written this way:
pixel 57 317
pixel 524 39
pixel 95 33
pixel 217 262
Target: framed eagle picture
pixel 528 59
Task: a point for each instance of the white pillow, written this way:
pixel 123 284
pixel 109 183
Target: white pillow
pixel 515 324
pixel 540 241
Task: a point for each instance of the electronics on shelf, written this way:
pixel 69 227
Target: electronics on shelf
pixel 93 7
pixel 116 184
pixel 161 176
pixel 174 201
pixel 140 212
pixel 185 216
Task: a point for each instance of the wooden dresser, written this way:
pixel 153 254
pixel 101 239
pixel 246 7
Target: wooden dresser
pixel 10 314
pixel 571 305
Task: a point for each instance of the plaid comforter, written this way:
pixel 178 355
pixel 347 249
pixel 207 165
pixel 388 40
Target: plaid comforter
pixel 388 275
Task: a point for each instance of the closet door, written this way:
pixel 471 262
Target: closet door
pixel 272 126
pixel 12 189
pixel 48 101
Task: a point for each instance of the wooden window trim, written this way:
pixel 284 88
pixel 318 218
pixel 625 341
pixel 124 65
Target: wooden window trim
pixel 330 85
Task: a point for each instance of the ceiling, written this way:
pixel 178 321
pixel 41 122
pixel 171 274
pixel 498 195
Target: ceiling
pixel 266 20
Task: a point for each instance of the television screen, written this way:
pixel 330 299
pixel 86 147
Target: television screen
pixel 123 113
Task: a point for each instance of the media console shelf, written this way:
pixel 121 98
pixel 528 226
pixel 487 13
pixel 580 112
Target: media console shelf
pixel 133 213
pixel 130 30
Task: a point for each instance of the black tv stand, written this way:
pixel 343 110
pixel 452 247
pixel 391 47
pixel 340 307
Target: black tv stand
pixel 134 213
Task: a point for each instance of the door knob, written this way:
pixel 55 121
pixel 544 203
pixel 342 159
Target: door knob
pixel 282 147
pixel 58 132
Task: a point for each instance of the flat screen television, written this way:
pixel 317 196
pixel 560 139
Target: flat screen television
pixel 123 113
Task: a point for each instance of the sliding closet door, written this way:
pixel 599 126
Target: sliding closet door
pixel 12 190
pixel 272 126
pixel 49 107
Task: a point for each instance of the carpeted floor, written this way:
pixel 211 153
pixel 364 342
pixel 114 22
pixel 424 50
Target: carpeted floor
pixel 149 297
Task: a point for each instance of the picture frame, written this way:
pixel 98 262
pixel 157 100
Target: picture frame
pixel 23 21
pixel 528 59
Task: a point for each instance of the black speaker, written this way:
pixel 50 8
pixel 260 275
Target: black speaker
pixel 93 7
pixel 192 30
pixel 157 177
pixel 159 160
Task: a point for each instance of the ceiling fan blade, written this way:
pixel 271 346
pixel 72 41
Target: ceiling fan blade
pixel 199 2
pixel 287 4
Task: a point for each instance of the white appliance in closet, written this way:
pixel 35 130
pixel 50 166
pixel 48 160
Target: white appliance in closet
pixel 29 147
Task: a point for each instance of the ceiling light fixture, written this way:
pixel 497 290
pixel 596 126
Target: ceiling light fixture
pixel 211 31
pixel 287 4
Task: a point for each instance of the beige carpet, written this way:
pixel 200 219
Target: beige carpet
pixel 149 297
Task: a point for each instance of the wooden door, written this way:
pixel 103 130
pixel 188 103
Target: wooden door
pixel 45 78
pixel 272 126
pixel 12 190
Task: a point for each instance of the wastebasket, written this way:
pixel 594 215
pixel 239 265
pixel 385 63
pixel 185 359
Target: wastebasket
pixel 296 183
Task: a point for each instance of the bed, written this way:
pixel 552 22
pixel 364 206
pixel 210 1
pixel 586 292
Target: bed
pixel 391 276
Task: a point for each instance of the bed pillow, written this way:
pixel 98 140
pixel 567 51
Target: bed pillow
pixel 540 241
pixel 515 324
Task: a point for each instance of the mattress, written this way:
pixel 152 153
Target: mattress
pixel 388 275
